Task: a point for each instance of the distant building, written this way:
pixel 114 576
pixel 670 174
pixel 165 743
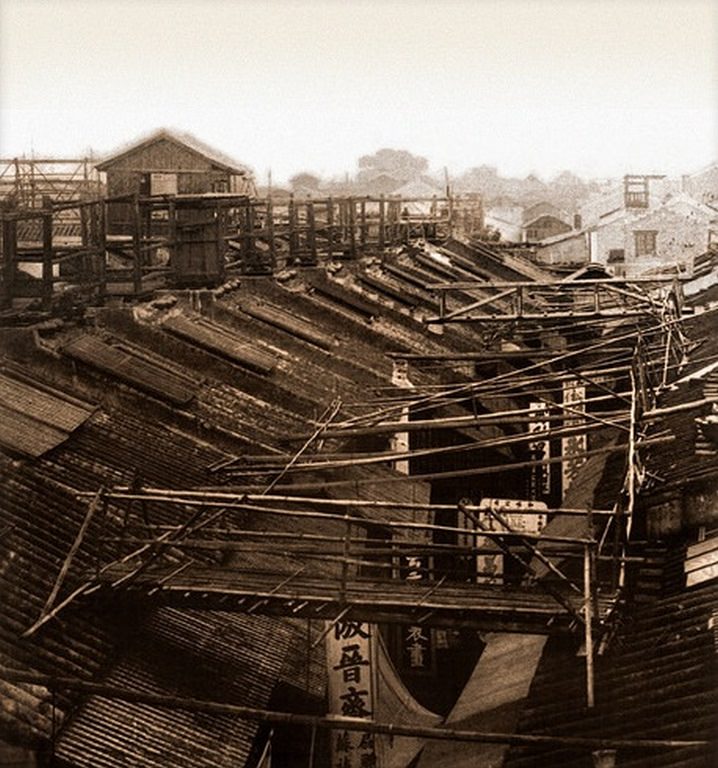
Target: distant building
pixel 420 192
pixel 168 163
pixel 673 233
pixel 507 220
pixel 703 184
pixel 544 220
pixel 570 249
pixel 380 183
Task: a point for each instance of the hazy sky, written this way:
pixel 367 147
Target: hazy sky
pixel 602 87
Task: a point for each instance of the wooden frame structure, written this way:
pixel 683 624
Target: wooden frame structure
pixel 26 182
pixel 551 301
pixel 199 240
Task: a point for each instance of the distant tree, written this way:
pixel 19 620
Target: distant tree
pixel 567 179
pixel 484 179
pixel 305 180
pixel 399 163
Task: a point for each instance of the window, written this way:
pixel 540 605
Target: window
pixel 645 243
pixel 163 184
pixel 635 191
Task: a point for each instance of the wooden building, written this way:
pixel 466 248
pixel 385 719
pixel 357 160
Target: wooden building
pixel 168 163
pixel 544 220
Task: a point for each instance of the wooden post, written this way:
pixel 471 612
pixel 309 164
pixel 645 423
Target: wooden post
pixel 219 241
pixel 293 234
pixel 312 234
pixel 330 228
pixel 270 232
pixel 137 245
pixel 47 252
pixel 9 246
pixel 588 621
pixel 341 221
pixel 362 225
pixel 405 225
pixel 382 221
pixel 172 236
pixel 451 206
pixel 247 262
pixel 84 224
pixel 102 249
pixel 351 203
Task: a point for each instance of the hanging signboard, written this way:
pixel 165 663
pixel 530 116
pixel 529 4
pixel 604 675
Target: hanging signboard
pixel 351 674
pixel 520 516
pixel 540 448
pixel 701 562
pixel 573 447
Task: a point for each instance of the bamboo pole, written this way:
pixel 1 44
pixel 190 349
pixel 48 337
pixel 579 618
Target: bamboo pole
pixel 330 229
pixel 366 726
pixel 9 244
pixel 47 254
pixel 267 464
pixel 64 570
pixel 312 232
pixel 503 378
pixel 469 472
pixel 367 522
pixel 136 246
pixel 588 626
pixel 198 496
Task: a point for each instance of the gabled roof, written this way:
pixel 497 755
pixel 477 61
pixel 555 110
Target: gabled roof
pixel 183 139
pixel 705 169
pixel 539 210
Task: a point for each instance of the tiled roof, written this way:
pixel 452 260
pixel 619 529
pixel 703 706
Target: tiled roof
pixel 657 681
pixel 184 139
pixel 261 363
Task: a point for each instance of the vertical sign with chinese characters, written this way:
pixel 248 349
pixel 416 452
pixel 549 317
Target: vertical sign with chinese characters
pixel 540 450
pixel 573 447
pixel 417 649
pixel 351 671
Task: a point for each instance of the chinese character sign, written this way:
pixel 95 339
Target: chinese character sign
pixel 351 689
pixel 520 516
pixel 417 648
pixel 573 447
pixel 540 450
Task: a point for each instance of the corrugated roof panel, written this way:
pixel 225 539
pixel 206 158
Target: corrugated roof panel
pixel 286 321
pixel 26 435
pixel 343 296
pixel 131 369
pixel 220 341
pixel 34 419
pixel 39 403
